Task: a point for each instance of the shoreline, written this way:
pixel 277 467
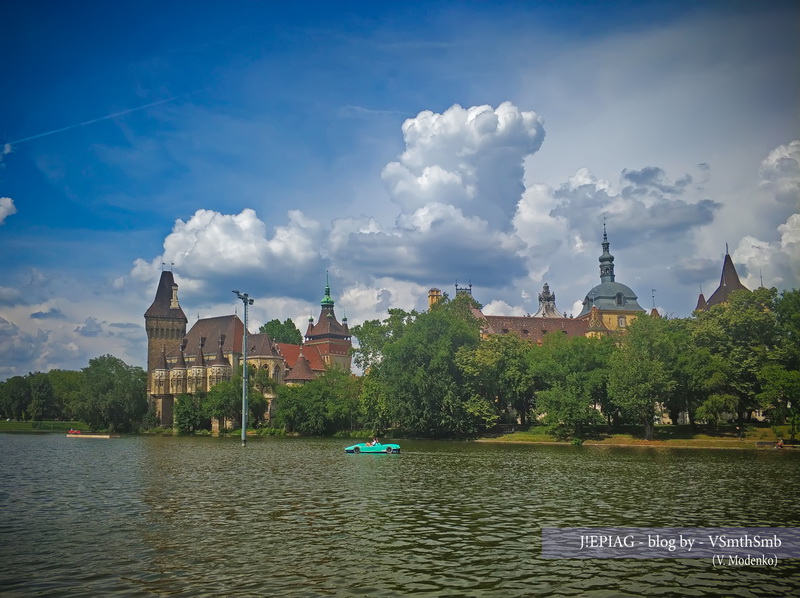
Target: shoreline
pixel 637 443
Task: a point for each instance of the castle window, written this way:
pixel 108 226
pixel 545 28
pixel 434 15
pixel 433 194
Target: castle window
pixel 620 299
pixel 621 322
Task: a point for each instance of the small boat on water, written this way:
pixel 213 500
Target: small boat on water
pixel 373 448
pixel 78 434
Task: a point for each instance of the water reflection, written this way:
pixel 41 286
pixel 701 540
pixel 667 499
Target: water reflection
pixel 289 517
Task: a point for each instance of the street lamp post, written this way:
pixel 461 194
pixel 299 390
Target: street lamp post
pixel 247 301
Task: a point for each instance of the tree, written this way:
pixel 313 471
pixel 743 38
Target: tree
pixel 321 406
pixel 43 400
pixel 188 413
pixel 15 396
pixel 743 334
pixel 113 394
pixel 639 381
pixel 224 401
pixel 420 380
pixel 498 372
pixel 285 332
pixel 373 335
pixel 67 390
pixel 574 377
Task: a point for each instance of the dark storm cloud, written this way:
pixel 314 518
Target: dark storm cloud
pixel 52 313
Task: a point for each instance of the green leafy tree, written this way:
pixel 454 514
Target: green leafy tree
pixel 285 332
pixel 224 401
pixel 188 413
pixel 743 334
pixel 373 335
pixel 787 316
pixel 574 375
pixel 43 400
pixel 263 386
pixel 113 394
pixel 322 406
pixel 15 396
pixel 498 372
pixel 420 379
pixel 640 380
pixel 67 390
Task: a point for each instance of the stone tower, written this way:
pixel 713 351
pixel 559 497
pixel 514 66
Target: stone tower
pixel 164 321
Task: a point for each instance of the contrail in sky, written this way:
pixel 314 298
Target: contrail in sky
pixel 7 147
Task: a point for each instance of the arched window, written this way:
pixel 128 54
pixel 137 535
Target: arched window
pixel 621 321
pixel 620 299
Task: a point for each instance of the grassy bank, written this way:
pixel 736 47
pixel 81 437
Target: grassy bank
pixel 31 427
pixel 665 436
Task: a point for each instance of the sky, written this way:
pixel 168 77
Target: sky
pixel 389 146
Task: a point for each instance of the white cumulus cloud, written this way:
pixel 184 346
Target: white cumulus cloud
pixel 7 208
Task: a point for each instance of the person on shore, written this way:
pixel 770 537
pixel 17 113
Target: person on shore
pixel 779 444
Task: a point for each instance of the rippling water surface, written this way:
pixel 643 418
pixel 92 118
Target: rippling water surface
pixel 143 516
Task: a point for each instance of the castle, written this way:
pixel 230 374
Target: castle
pixel 179 362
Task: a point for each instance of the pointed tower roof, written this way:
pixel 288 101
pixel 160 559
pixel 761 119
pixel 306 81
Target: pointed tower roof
pixel 728 282
pixel 547 304
pixel 166 305
pixel 301 372
pixel 220 357
pixel 701 303
pixel 162 360
pixel 200 359
pixel 180 363
pixel 327 325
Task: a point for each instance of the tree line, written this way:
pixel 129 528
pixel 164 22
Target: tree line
pixel 429 374
pixel 107 394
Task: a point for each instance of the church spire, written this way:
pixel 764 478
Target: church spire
pixel 327 301
pixel 606 260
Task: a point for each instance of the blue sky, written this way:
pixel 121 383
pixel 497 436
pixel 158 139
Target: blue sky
pixel 398 146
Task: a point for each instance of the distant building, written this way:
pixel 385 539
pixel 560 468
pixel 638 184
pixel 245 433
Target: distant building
pixel 616 304
pixel 728 283
pixel 609 307
pixel 179 362
pixel 330 338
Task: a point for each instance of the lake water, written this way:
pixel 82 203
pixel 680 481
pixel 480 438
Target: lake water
pixel 157 516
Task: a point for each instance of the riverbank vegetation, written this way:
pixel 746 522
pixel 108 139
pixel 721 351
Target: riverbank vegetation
pixel 431 375
pixel 428 374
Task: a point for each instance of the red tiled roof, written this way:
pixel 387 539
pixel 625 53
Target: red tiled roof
pixel 301 371
pixel 531 328
pixel 290 354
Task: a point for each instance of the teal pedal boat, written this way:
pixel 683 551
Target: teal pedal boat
pixel 378 448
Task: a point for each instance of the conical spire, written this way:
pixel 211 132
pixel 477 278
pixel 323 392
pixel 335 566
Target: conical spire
pixel 200 360
pixel 220 358
pixel 162 360
pixel 728 282
pixel 301 372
